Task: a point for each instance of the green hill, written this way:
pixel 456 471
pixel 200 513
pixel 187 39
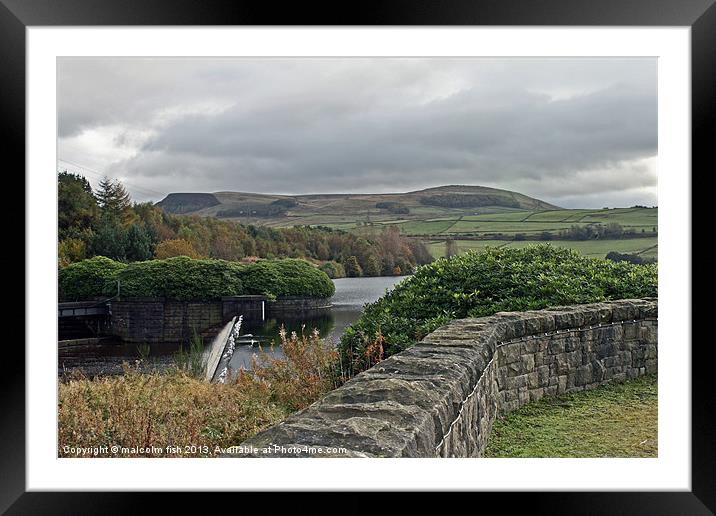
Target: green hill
pixel 340 209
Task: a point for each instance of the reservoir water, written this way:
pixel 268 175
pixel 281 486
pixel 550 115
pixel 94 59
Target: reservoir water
pixel 350 297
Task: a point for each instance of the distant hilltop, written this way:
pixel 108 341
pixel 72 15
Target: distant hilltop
pixel 318 208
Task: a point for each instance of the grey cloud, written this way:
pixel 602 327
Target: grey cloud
pixel 361 125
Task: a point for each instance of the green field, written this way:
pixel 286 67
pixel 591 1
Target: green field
pixel 422 227
pixel 490 226
pixel 570 216
pixel 615 420
pixel 469 231
pixel 501 227
pixel 510 223
pixel 644 247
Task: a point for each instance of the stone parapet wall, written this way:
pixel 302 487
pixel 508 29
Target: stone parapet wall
pixel 441 396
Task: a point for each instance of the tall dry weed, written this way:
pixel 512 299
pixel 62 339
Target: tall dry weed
pixel 308 369
pixel 162 410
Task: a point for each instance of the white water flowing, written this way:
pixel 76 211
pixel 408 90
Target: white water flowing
pixel 221 350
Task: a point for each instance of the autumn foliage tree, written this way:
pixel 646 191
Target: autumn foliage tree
pixel 353 268
pixel 175 247
pixel 107 223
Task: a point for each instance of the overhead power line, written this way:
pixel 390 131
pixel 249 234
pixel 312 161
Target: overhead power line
pixel 101 175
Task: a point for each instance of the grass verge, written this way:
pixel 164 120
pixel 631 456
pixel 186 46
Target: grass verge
pixel 615 420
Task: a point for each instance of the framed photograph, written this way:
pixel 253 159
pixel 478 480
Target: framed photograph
pixel 413 250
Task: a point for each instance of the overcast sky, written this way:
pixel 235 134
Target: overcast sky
pixel 573 132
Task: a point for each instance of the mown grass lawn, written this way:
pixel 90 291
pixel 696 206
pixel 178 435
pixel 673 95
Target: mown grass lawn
pixel 617 420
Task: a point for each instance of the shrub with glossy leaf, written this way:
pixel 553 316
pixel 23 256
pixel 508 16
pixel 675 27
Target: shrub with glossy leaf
pixel 279 278
pixel 88 279
pixel 181 278
pixel 479 284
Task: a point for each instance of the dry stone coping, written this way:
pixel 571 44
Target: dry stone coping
pixel 441 395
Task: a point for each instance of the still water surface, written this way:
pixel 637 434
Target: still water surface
pixel 351 294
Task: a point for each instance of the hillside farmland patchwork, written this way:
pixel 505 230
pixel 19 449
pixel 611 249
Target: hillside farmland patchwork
pixel 474 217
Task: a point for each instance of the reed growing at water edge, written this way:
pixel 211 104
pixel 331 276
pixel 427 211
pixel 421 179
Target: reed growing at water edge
pixel 192 360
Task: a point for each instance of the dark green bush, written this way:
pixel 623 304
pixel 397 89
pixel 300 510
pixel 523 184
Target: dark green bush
pixel 88 279
pixel 181 278
pixel 287 277
pixel 185 278
pixel 480 284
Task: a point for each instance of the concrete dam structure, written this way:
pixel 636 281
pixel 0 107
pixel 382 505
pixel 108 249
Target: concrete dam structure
pixel 440 397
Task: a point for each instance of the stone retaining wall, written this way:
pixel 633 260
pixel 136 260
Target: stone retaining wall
pixel 154 320
pixel 296 305
pixel 440 397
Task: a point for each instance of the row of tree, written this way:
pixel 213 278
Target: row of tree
pixel 611 230
pixel 107 223
pixel 626 257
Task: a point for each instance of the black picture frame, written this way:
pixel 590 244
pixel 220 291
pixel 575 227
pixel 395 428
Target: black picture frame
pixel 700 15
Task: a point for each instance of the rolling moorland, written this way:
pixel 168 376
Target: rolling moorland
pixel 469 217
